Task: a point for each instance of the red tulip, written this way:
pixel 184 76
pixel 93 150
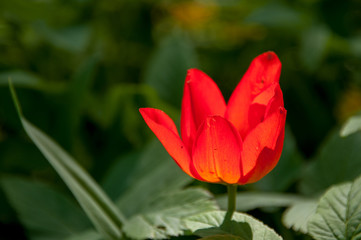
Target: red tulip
pixel 237 143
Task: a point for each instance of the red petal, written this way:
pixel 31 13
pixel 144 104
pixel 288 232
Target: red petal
pixel 165 130
pixel 201 98
pixel 262 73
pixel 262 147
pixel 217 151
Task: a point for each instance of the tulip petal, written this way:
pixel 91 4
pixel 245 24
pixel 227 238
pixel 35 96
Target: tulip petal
pixel 201 98
pixel 165 130
pixel 217 151
pixel 261 74
pixel 262 147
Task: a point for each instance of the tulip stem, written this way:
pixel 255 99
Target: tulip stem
pixel 232 193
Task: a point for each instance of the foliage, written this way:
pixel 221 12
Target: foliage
pixel 82 68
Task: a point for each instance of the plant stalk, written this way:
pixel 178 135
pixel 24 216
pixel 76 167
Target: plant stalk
pixel 232 192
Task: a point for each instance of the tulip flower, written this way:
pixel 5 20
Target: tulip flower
pixel 234 143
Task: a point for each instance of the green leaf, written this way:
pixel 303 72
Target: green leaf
pixel 338 161
pixel 298 215
pixel 275 15
pixel 164 216
pixel 168 67
pixel 313 46
pixel 338 214
pixel 46 213
pixel 250 200
pixel 96 204
pixel 29 80
pixel 352 125
pixel 86 235
pixel 156 173
pixel 209 224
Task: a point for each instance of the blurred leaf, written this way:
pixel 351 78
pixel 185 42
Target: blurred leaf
pixel 209 224
pixel 251 200
pixel 86 235
pixel 298 215
pixel 32 10
pixel 99 208
pixel 287 170
pixel 314 45
pixel 352 125
pixel 163 216
pixel 275 15
pixel 168 67
pixel 29 80
pixel 73 38
pixel 75 101
pixel 337 161
pixel 338 214
pixel 46 213
pixel 155 173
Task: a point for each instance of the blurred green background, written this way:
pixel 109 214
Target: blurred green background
pixel 82 68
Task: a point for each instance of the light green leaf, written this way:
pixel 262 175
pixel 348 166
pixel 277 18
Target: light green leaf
pixel 209 224
pixel 86 235
pixel 46 213
pixel 250 200
pixel 298 215
pixel 99 208
pixel 338 161
pixel 164 216
pixel 168 67
pixel 156 173
pixel 352 125
pixel 338 214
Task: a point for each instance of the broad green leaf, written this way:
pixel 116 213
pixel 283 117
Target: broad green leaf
pixel 338 161
pixel 164 216
pixel 250 200
pixel 45 212
pixel 298 215
pixel 99 208
pixel 156 173
pixel 209 224
pixel 168 67
pixel 338 214
pixel 352 125
pixel 287 170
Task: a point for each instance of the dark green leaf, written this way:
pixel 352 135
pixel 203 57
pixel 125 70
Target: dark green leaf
pixel 337 161
pixel 168 67
pixel 45 212
pixel 99 208
pixel 250 200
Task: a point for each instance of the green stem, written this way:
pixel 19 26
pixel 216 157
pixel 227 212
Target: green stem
pixel 232 192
